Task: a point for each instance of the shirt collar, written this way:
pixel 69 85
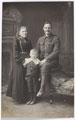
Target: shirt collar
pixel 48 37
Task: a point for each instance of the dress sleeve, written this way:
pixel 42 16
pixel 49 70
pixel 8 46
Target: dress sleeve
pixel 18 57
pixel 38 48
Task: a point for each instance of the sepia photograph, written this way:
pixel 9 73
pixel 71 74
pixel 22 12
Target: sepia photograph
pixel 37 79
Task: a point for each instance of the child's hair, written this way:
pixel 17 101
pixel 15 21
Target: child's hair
pixel 33 51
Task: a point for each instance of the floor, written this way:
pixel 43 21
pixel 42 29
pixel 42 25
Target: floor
pixel 62 107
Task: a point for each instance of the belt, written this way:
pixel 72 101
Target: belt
pixel 23 52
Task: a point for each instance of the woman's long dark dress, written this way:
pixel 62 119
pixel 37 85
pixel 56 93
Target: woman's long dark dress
pixel 17 87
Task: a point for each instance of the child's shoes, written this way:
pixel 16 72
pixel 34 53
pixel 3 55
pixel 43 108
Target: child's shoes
pixel 28 103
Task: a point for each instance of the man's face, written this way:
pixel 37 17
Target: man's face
pixel 47 29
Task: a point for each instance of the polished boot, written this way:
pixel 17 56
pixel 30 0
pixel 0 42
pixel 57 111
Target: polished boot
pixel 43 85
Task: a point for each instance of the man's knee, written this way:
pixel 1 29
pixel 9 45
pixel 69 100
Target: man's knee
pixel 44 66
pixel 45 69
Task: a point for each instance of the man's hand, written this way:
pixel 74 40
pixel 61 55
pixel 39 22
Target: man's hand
pixel 42 62
pixel 39 79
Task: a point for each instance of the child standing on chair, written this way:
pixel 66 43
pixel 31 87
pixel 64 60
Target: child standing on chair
pixel 32 66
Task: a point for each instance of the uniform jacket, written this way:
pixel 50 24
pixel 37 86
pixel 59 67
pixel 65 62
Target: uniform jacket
pixel 48 48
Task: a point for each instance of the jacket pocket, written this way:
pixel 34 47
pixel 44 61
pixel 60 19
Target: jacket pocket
pixel 42 46
pixel 49 47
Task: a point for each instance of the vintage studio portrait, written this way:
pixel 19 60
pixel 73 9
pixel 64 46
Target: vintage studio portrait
pixel 37 60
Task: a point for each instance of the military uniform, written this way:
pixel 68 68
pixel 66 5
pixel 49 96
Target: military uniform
pixel 48 48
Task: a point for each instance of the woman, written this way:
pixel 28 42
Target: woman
pixel 17 88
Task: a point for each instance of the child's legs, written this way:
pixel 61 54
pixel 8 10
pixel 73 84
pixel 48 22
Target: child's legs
pixel 30 86
pixel 35 84
pixel 35 88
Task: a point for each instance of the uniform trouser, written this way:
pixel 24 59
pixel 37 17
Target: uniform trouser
pixel 46 75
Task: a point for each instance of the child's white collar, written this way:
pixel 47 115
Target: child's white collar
pixel 36 61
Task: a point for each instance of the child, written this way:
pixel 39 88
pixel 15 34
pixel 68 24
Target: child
pixel 32 75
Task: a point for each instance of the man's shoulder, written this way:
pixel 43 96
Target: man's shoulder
pixel 42 38
pixel 56 38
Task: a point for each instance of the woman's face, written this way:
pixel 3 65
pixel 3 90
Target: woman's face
pixel 23 32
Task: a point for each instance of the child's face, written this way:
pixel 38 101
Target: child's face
pixel 33 54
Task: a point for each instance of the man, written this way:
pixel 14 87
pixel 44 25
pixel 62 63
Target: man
pixel 48 47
